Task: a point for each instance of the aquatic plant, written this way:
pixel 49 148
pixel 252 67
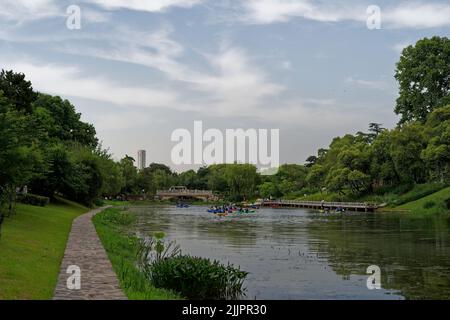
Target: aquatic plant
pixel 191 277
pixel 155 248
pixel 198 278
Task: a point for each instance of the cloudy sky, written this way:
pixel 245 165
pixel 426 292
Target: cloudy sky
pixel 139 69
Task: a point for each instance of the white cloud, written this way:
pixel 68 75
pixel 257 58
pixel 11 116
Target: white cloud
pixel 21 11
pixel 233 84
pixel 26 10
pixel 369 84
pixel 270 11
pixel 418 15
pixel 144 5
pixel 70 82
pixel 404 15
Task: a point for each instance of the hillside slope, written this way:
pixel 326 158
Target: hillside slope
pixel 432 204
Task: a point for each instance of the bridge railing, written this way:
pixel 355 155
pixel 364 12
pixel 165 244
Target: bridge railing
pixel 173 192
pixel 325 204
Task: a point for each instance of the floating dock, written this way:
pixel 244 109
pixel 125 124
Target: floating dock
pixel 347 206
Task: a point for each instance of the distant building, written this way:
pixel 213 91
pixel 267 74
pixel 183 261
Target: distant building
pixel 141 161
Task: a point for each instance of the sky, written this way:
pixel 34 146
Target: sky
pixel 138 70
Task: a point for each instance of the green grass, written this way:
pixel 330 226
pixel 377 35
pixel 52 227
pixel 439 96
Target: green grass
pixel 112 227
pixel 32 246
pixel 431 204
pixel 394 197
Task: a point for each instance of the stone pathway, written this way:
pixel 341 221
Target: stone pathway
pixel 84 249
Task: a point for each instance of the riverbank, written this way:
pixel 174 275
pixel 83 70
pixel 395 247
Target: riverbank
pixel 32 246
pixel 400 199
pixel 112 227
pixel 435 203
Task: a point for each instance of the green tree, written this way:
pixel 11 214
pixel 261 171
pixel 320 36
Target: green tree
pixel 20 156
pixel 129 174
pixel 189 179
pixel 382 167
pixel 423 75
pixel 63 122
pixel 110 172
pixel 437 153
pixel 268 190
pixel 242 180
pixel 18 91
pixel 407 145
pixel 310 161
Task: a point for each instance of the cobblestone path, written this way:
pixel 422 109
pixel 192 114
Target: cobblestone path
pixel 98 280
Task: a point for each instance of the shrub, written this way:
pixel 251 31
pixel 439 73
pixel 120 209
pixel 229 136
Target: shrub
pixel 198 278
pixel 429 204
pixel 447 203
pixel 99 202
pixel 33 199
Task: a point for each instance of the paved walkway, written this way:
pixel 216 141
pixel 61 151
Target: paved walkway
pixel 84 249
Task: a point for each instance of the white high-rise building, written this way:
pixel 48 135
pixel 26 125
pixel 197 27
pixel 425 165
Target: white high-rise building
pixel 141 161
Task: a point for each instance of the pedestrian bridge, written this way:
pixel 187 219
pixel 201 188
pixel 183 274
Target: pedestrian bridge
pixel 183 193
pixel 350 206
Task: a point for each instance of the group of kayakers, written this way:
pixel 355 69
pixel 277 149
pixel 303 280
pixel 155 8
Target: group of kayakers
pixel 231 208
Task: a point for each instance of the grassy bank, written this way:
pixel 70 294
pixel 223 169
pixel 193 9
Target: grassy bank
pixel 112 227
pixel 432 204
pixel 394 196
pixel 31 249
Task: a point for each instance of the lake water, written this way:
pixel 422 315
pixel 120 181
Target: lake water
pixel 303 254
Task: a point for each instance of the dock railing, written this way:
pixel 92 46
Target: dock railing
pixel 358 205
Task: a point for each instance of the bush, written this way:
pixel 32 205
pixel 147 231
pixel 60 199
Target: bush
pixel 33 199
pixel 447 203
pixel 99 203
pixel 429 204
pixel 198 278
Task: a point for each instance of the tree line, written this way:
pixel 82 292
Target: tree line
pixel 46 146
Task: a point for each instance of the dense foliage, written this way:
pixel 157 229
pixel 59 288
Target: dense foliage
pixel 198 278
pixel 423 73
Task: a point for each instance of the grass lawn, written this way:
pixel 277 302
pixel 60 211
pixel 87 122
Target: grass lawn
pixel 431 204
pixel 32 246
pixel 112 227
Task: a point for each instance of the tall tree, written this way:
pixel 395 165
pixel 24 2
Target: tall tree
pixel 423 73
pixel 17 90
pixel 64 122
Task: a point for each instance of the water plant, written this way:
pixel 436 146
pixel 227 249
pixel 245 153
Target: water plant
pixel 198 278
pixel 192 277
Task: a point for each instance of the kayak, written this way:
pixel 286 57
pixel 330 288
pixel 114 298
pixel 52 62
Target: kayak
pixel 243 212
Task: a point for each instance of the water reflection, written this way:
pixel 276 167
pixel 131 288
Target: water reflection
pixel 299 254
pixel 413 253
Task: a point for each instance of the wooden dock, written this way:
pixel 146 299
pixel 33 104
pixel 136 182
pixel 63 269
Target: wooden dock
pixel 347 206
